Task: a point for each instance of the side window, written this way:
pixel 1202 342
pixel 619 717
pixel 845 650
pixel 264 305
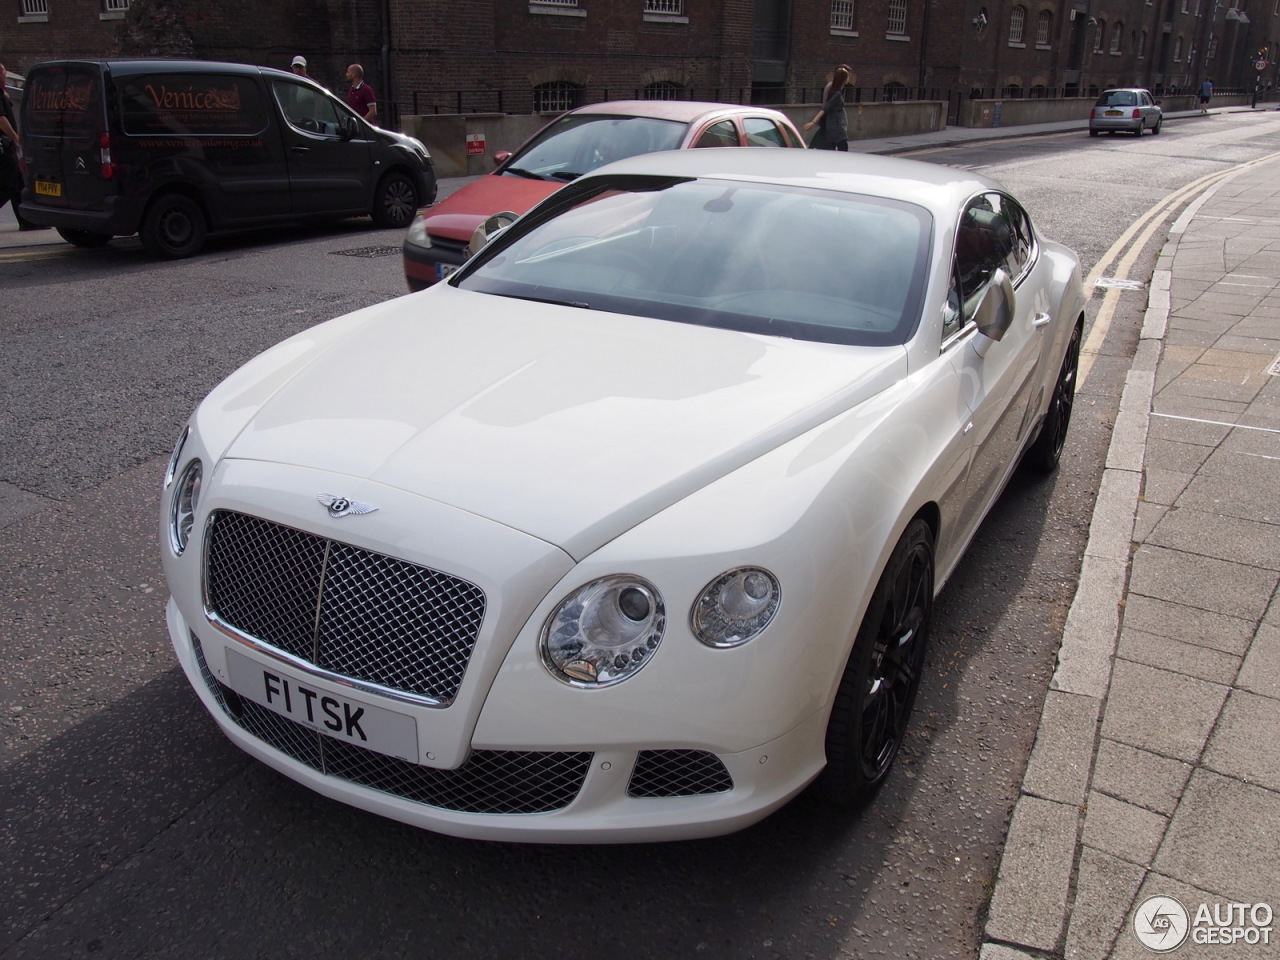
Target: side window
pixel 720 134
pixel 191 105
pixel 308 109
pixel 762 132
pixel 983 245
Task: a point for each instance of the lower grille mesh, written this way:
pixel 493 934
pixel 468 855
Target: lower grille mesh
pixel 491 781
pixel 678 773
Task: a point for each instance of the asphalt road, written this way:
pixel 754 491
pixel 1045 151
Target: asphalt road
pixel 132 829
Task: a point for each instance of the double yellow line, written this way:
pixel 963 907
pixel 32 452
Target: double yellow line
pixel 22 254
pixel 1136 238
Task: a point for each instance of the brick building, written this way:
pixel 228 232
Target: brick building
pixel 517 56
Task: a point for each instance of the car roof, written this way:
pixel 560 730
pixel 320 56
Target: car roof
pixel 938 188
pixel 133 66
pixel 1124 90
pixel 685 111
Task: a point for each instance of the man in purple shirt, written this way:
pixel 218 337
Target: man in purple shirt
pixel 361 97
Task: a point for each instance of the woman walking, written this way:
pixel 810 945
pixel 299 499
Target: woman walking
pixel 833 134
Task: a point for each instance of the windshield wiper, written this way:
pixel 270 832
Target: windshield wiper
pixel 557 303
pixel 527 174
pixel 566 175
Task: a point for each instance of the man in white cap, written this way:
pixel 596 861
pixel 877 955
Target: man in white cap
pixel 299 66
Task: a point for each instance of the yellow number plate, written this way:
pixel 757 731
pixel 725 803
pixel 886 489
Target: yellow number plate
pixel 46 189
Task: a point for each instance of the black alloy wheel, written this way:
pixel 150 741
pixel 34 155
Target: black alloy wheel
pixel 873 704
pixel 1046 451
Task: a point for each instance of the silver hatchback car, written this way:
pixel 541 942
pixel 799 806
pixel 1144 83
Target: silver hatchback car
pixel 1129 108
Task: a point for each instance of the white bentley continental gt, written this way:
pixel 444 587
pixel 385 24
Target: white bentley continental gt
pixel 631 530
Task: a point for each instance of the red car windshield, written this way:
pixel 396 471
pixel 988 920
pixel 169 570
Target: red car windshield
pixel 578 143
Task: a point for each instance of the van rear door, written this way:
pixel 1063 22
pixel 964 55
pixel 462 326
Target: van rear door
pixel 63 123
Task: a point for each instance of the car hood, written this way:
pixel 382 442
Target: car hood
pixel 567 424
pixel 458 216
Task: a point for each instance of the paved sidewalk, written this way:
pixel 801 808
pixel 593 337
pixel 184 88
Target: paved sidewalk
pixel 1156 770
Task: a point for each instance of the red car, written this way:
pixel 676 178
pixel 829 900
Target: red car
pixel 569 146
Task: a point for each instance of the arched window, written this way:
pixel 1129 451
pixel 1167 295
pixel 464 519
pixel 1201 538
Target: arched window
pixel 1017 24
pixel 1099 31
pixel 1044 27
pixel 1177 49
pixel 1142 46
pixel 663 90
pixel 558 96
pixel 1117 34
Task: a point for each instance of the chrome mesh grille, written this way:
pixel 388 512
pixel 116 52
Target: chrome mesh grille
pixel 678 773
pixel 491 781
pixel 342 608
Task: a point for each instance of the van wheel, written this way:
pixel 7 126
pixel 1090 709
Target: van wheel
pixel 174 227
pixel 395 202
pixel 84 238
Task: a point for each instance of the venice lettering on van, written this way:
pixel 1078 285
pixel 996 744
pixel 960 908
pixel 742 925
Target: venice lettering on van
pixel 193 98
pixel 73 98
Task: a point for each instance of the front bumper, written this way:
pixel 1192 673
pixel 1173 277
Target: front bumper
pixel 516 793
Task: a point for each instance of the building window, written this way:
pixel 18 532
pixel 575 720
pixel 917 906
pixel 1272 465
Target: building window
pixel 1142 47
pixel 672 8
pixel 115 6
pixel 1044 27
pixel 35 8
pixel 557 96
pixel 663 90
pixel 1185 4
pixel 1117 34
pixel 1177 50
pixel 1017 24
pixel 1098 34
pixel 897 18
pixel 841 14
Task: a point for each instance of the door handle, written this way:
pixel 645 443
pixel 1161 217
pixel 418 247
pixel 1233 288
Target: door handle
pixel 1041 320
pixel 300 149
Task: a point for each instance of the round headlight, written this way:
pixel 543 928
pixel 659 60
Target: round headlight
pixel 604 632
pixel 182 508
pixel 736 607
pixel 176 457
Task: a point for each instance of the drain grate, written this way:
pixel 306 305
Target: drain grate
pixel 367 252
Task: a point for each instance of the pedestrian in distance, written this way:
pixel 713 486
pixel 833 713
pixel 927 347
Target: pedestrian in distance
pixel 832 124
pixel 826 90
pixel 361 97
pixel 299 66
pixel 10 168
pixel 1206 91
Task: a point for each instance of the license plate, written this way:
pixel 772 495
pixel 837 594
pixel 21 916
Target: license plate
pixel 1115 113
pixel 344 718
pixel 46 188
pixel 445 269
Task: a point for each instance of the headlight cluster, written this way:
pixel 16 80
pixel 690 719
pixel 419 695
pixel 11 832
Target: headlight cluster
pixel 184 496
pixel 606 631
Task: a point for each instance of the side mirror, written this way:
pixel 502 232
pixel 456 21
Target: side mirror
pixel 994 312
pixel 489 228
pixel 502 156
pixel 350 128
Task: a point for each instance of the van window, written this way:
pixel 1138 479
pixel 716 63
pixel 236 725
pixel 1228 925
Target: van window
pixel 185 104
pixel 308 109
pixel 63 102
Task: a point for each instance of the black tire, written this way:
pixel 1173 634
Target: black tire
pixel 1141 126
pixel 1043 455
pixel 174 227
pixel 873 703
pixel 395 201
pixel 84 238
pixel 1155 131
pixel 1094 133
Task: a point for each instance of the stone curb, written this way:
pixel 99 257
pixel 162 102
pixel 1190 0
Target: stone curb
pixel 1031 908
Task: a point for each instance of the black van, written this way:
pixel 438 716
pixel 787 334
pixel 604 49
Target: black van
pixel 175 149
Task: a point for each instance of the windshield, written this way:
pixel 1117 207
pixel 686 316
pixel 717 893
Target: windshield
pixel 1118 98
pixel 760 258
pixel 578 143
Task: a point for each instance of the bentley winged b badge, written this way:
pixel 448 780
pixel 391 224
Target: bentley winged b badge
pixel 341 506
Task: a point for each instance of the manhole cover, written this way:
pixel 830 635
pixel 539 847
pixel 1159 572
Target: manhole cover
pixel 1119 284
pixel 368 252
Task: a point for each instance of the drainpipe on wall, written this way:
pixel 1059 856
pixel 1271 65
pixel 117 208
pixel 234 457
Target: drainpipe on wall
pixel 386 59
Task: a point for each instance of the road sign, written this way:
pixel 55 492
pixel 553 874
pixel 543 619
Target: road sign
pixel 1259 65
